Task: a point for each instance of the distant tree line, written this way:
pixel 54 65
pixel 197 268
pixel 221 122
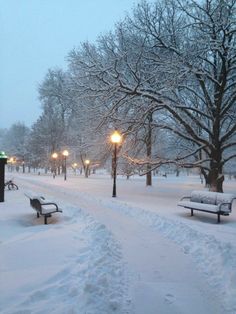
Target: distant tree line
pixel 165 77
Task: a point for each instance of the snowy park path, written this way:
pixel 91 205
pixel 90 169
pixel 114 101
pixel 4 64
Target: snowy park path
pixel 162 278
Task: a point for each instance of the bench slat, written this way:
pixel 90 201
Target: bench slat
pixel 200 206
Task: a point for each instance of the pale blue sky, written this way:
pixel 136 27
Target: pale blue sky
pixel 36 35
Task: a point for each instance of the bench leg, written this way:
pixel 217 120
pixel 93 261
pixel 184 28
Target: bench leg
pixel 46 217
pixel 191 212
pixel 218 220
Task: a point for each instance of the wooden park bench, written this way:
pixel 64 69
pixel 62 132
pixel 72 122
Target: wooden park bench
pixel 43 207
pixel 210 202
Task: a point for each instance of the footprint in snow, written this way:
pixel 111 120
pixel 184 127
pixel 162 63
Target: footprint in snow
pixel 169 298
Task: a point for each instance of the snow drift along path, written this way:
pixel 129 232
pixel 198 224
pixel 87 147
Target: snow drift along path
pixel 162 276
pixel 72 265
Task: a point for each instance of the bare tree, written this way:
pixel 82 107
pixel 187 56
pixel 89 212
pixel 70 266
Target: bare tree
pixel 169 66
pixel 182 58
pixel 16 143
pixel 203 104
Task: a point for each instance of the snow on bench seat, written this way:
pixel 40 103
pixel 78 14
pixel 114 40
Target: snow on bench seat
pixel 199 206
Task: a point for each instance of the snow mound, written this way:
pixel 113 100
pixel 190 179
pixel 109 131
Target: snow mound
pixel 215 259
pixel 70 267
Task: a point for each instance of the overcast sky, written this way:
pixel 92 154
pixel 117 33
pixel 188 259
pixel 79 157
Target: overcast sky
pixel 37 35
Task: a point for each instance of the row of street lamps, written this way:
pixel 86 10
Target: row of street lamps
pixel 65 154
pixel 115 139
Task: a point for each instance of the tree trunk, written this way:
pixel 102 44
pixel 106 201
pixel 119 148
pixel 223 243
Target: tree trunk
pixel 215 180
pixel 149 177
pixel 149 150
pixel 216 177
pixel 205 174
pixel 177 172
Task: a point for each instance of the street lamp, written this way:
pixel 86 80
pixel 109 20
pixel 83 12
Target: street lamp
pixel 65 153
pixel 10 161
pixel 87 162
pixel 54 157
pixel 74 166
pixel 23 165
pixel 115 139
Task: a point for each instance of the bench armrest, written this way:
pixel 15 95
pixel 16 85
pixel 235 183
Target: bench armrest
pixel 49 203
pixel 229 205
pixel 185 198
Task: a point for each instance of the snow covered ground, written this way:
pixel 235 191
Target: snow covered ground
pixel 135 254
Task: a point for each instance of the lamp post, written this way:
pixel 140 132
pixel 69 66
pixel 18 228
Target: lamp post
pixel 3 161
pixel 54 157
pixel 23 165
pixel 115 139
pixel 74 166
pixel 87 162
pixel 65 153
pixel 10 162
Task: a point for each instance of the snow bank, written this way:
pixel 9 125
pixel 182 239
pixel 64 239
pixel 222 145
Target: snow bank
pixel 216 259
pixel 73 265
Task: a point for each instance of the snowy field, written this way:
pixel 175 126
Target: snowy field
pixel 135 254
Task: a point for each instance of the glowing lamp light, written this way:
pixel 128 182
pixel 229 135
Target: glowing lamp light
pixel 3 155
pixel 115 137
pixel 65 153
pixel 54 155
pixel 87 161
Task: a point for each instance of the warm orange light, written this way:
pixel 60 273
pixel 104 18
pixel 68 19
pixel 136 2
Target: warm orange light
pixel 74 165
pixel 11 160
pixel 54 155
pixel 65 153
pixel 115 137
pixel 87 161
